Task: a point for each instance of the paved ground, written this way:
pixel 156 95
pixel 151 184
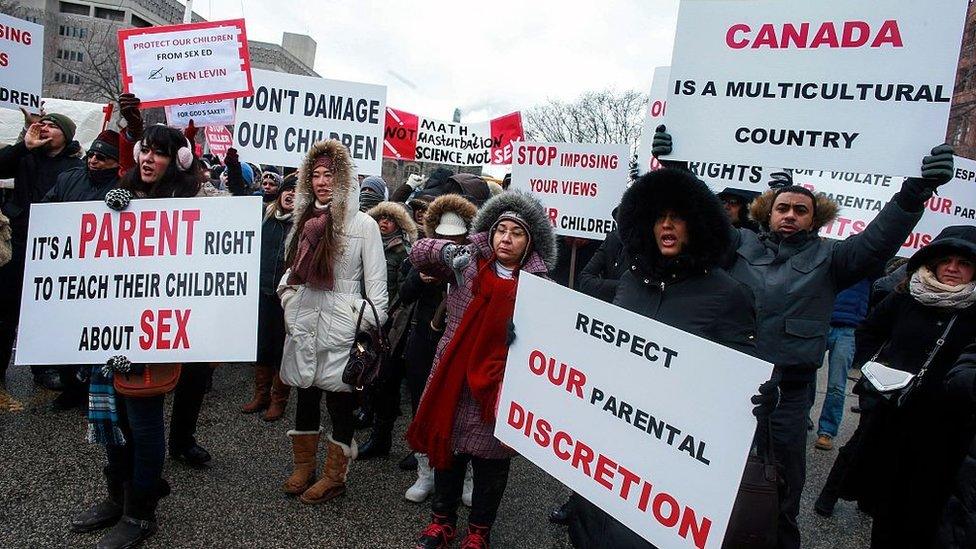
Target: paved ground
pixel 49 473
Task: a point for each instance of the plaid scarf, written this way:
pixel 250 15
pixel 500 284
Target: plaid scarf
pixel 103 417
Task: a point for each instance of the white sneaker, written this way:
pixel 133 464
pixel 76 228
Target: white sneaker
pixel 424 486
pixel 468 487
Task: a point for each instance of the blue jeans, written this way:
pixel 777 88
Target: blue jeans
pixel 840 346
pixel 141 459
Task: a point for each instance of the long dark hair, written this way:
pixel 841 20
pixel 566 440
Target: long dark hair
pixel 174 183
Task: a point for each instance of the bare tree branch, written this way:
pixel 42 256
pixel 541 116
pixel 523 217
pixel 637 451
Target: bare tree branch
pixel 605 116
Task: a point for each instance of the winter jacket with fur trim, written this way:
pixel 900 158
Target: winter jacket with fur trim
pixel 321 325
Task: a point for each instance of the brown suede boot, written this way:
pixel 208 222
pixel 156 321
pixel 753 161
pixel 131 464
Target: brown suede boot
pixel 279 399
pixel 332 484
pixel 304 445
pixel 262 390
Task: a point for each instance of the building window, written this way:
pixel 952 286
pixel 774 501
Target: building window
pixel 81 57
pixel 74 9
pixel 60 53
pixel 61 30
pixel 110 14
pixel 57 77
pixel 140 22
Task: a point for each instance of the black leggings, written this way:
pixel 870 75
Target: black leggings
pixel 490 480
pixel 341 405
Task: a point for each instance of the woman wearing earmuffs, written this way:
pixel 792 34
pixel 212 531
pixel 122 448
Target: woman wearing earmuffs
pixel 161 165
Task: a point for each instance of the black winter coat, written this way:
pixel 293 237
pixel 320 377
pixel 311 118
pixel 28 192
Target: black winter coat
pixel 77 185
pixel 560 274
pixel 922 443
pixel 957 529
pixel 599 278
pixel 34 174
pixel 274 232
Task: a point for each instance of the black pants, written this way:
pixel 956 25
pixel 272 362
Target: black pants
pixel 341 405
pixel 789 434
pixel 187 401
pixel 11 282
pixel 385 397
pixel 490 480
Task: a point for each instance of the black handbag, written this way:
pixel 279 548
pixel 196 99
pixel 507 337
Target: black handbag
pixel 368 352
pixel 755 514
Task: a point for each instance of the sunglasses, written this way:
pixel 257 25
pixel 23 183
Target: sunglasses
pixel 99 156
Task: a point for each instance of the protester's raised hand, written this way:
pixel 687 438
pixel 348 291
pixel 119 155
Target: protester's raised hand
pixel 32 118
pixel 939 167
pixel 765 402
pixel 232 158
pixel 661 146
pixel 33 139
pixel 191 131
pixel 129 111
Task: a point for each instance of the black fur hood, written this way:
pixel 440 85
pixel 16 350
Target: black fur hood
pixel 679 191
pixel 530 209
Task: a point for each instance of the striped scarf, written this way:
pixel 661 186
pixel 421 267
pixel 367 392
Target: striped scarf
pixel 103 417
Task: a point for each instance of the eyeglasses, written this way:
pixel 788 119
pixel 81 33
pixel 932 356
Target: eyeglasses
pixel 514 233
pixel 98 156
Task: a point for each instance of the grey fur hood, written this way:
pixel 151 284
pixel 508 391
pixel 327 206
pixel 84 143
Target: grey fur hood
pixel 529 208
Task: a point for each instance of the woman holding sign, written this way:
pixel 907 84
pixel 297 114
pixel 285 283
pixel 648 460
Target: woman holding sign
pixel 674 232
pixel 333 252
pixel 455 421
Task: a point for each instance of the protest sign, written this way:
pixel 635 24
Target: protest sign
pixel 209 113
pixel 288 114
pixel 219 139
pixel 155 282
pixel 657 103
pixel 411 137
pixel 579 184
pixel 89 118
pixel 832 85
pixel 651 424
pixel 194 62
pixel 21 64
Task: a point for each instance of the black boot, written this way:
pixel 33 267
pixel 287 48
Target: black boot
pixel 137 523
pixel 562 514
pixel 363 417
pixel 104 513
pixel 408 463
pixel 379 443
pixel 193 454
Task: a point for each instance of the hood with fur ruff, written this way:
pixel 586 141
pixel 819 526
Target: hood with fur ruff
pixel 345 187
pixel 398 212
pixel 531 210
pixel 761 210
pixel 448 203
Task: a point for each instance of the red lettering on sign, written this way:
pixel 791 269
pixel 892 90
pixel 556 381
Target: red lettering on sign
pixel 849 34
pixel 156 325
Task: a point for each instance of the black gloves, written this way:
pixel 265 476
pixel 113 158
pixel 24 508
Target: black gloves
pixel 937 169
pixel 118 199
pixel 129 110
pixel 511 334
pixel 780 180
pixel 231 158
pixel 662 146
pixel 765 402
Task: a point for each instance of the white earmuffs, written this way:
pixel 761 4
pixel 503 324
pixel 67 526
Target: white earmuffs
pixel 184 156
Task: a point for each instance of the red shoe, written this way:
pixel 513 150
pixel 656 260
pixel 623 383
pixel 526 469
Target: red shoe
pixel 477 537
pixel 438 534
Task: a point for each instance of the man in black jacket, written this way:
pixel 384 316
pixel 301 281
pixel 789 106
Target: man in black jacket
pixel 47 151
pixel 795 276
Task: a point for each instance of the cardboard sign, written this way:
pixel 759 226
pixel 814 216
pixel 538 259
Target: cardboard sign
pixel 189 63
pixel 166 280
pixel 830 85
pixel 657 106
pixel 210 113
pixel 21 64
pixel 411 137
pixel 219 139
pixel 288 114
pixel 579 184
pixel 651 424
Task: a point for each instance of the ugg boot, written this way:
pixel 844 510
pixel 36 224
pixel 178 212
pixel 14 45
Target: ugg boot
pixel 279 399
pixel 138 522
pixel 106 512
pixel 424 486
pixel 332 484
pixel 477 537
pixel 304 445
pixel 468 491
pixel 438 534
pixel 262 390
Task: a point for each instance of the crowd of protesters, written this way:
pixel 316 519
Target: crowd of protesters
pixel 436 261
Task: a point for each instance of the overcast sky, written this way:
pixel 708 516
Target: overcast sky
pixel 487 58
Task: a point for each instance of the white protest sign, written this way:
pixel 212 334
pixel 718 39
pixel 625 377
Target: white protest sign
pixel 21 64
pixel 833 85
pixel 579 184
pixel 412 137
pixel 167 280
pixel 651 424
pixel 657 104
pixel 288 114
pixel 209 113
pixel 89 119
pixel 188 63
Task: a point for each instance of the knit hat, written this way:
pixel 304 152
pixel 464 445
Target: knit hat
pixel 273 175
pixel 511 215
pixel 289 182
pixel 247 173
pixel 106 144
pixel 65 124
pixel 324 161
pixel 451 224
pixel 376 185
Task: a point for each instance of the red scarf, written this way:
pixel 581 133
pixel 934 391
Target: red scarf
pixel 476 353
pixel 302 270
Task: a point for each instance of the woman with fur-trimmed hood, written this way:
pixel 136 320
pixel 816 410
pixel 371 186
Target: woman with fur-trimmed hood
pixel 333 252
pixel 398 231
pixel 455 421
pixel 674 232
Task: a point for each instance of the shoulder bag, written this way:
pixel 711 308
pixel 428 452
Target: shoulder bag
pixel 368 351
pixel 149 380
